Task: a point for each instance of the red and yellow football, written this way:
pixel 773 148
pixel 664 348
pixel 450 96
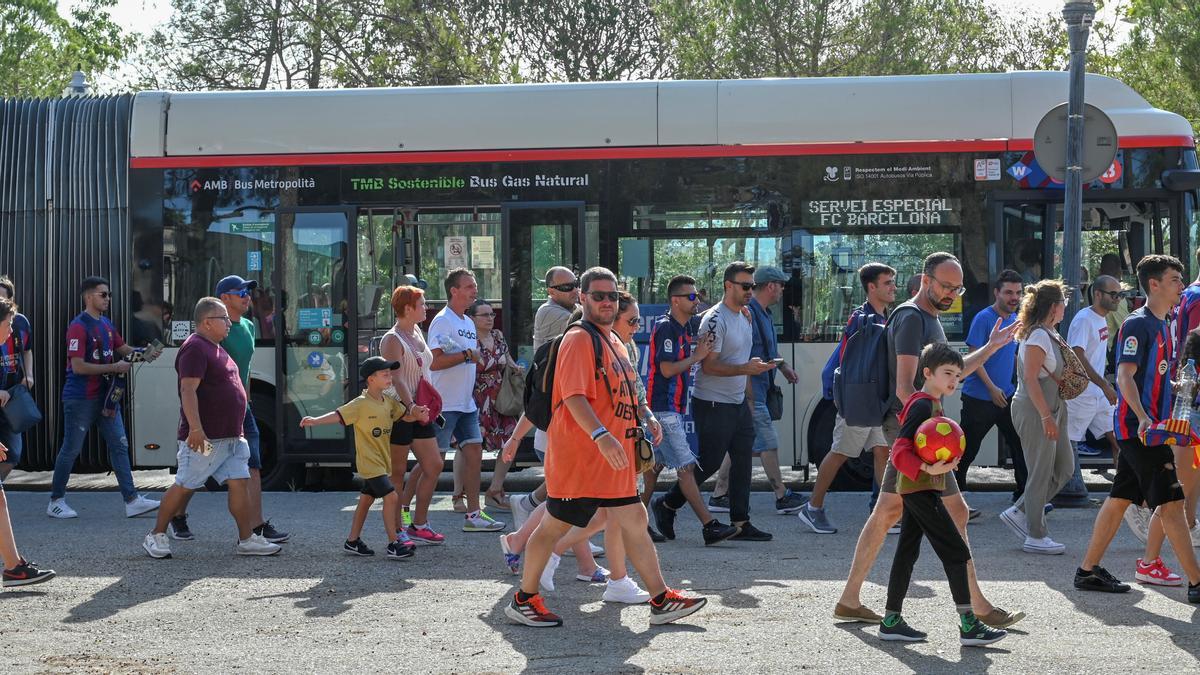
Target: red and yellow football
pixel 939 439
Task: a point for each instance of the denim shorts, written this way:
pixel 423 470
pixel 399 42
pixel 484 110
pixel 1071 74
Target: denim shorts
pixel 674 451
pixel 765 438
pixel 463 427
pixel 228 461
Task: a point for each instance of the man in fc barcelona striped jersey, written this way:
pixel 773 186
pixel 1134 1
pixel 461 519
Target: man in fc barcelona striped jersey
pixel 95 353
pixel 1144 473
pixel 674 350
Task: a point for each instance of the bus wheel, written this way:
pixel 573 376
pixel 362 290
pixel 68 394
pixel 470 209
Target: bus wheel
pixel 277 476
pixel 857 474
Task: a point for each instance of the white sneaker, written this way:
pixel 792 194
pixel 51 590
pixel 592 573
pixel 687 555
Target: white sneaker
pixel 547 580
pixel 157 545
pixel 1016 521
pixel 1196 534
pixel 625 590
pixel 139 506
pixel 597 551
pixel 1045 546
pixel 57 508
pixel 521 508
pixel 1138 519
pixel 256 545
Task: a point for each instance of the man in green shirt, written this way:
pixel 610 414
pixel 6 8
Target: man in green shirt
pixel 234 292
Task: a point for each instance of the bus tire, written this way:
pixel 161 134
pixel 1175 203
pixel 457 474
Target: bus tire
pixel 276 475
pixel 856 474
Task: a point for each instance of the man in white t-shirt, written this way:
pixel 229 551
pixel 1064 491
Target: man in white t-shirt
pixel 455 349
pixel 1088 336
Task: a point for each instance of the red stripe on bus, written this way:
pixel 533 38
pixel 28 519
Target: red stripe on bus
pixel 656 152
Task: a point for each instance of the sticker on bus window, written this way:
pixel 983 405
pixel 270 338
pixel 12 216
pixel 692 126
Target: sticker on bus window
pixel 309 318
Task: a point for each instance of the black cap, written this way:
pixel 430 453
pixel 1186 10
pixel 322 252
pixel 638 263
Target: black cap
pixel 375 364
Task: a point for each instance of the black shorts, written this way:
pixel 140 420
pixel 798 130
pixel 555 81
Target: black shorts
pixel 1146 474
pixel 377 487
pixel 579 511
pixel 404 433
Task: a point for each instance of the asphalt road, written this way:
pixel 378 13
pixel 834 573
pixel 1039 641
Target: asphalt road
pixel 311 609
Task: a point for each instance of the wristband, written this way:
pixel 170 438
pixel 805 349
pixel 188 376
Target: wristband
pixel 1045 417
pixel 600 431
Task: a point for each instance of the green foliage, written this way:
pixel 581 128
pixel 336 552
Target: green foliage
pixel 40 48
pixel 1161 59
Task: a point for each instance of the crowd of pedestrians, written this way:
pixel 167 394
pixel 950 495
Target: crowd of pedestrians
pixel 609 436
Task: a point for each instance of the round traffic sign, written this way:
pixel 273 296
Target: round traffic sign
pixel 1099 143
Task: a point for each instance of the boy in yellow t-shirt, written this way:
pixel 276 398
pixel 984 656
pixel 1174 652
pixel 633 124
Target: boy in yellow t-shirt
pixel 372 415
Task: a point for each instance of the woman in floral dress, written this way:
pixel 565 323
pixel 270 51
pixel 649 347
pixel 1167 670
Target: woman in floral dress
pixel 489 375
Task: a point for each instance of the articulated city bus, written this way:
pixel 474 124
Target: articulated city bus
pixel 328 198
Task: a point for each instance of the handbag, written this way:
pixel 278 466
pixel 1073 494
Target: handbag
pixel 22 412
pixel 510 401
pixel 1074 381
pixel 426 395
pixel 775 402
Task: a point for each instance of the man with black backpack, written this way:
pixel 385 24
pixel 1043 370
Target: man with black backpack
pixel 913 325
pixel 879 282
pixel 593 430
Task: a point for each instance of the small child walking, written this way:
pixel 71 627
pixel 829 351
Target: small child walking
pixel 372 415
pixel 920 485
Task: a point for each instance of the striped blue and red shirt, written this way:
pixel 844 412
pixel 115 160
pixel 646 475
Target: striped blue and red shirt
pixel 1145 340
pixel 94 341
pixel 670 341
pixel 11 350
pixel 1187 315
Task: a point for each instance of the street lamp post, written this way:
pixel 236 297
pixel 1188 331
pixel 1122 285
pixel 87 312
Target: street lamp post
pixel 1078 16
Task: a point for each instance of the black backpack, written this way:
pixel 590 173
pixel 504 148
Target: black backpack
pixel 539 380
pixel 862 383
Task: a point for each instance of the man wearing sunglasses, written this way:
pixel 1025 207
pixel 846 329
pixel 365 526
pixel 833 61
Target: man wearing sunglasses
pixel 234 292
pixel 95 352
pixel 724 421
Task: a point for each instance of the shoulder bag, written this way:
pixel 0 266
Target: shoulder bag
pixel 1074 379
pixel 21 413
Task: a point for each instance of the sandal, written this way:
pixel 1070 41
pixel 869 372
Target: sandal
pixel 460 503
pixel 497 503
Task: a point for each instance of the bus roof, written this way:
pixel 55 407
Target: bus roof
pixel 918 108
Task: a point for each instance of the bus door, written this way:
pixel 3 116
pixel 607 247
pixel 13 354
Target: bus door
pixel 315 326
pixel 384 252
pixel 537 236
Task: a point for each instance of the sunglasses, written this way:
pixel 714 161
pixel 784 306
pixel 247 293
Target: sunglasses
pixel 489 315
pixel 690 296
pixel 104 294
pixel 1112 295
pixel 635 321
pixel 244 293
pixel 566 288
pixel 746 285
pixel 603 296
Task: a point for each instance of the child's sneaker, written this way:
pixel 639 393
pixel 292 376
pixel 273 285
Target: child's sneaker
pixel 1156 573
pixel 895 628
pixel 424 535
pixel 974 633
pixel 398 549
pixel 357 547
pixel 532 612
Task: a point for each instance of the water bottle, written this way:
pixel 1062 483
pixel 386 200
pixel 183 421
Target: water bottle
pixel 1182 409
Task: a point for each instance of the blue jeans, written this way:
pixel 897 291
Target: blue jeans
pixel 78 417
pixel 11 440
pixel 253 439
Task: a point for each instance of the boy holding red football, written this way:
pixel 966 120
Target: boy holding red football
pixel 920 485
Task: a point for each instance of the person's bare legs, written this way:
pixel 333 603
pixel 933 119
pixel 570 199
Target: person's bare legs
pixel 1108 521
pixel 1174 522
pixel 576 536
pixel 614 548
pixel 360 516
pixel 254 496
pixel 686 478
pixel 538 550
pixel 1189 478
pixel 425 474
pixel 239 506
pixel 631 521
pixel 770 465
pixel 826 472
pixel 173 503
pixel 957 506
pixel 882 452
pixel 472 455
pixel 650 483
pixel 399 468
pixel 459 468
pixel 518 540
pixel 8 542
pixel 887 512
pixel 721 487
pixel 495 488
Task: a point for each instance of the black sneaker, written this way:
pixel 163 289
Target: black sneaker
pixel 749 532
pixel 1193 593
pixel 267 531
pixel 664 516
pixel 655 536
pixel 789 503
pixel 1098 580
pixel 357 547
pixel 974 633
pixel 896 629
pixel 718 504
pixel 398 549
pixel 26 574
pixel 716 532
pixel 973 513
pixel 178 528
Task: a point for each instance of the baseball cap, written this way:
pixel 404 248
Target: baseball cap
pixel 412 280
pixel 765 275
pixel 375 364
pixel 234 283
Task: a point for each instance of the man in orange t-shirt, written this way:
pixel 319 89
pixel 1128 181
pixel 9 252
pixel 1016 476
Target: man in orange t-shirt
pixel 591 463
